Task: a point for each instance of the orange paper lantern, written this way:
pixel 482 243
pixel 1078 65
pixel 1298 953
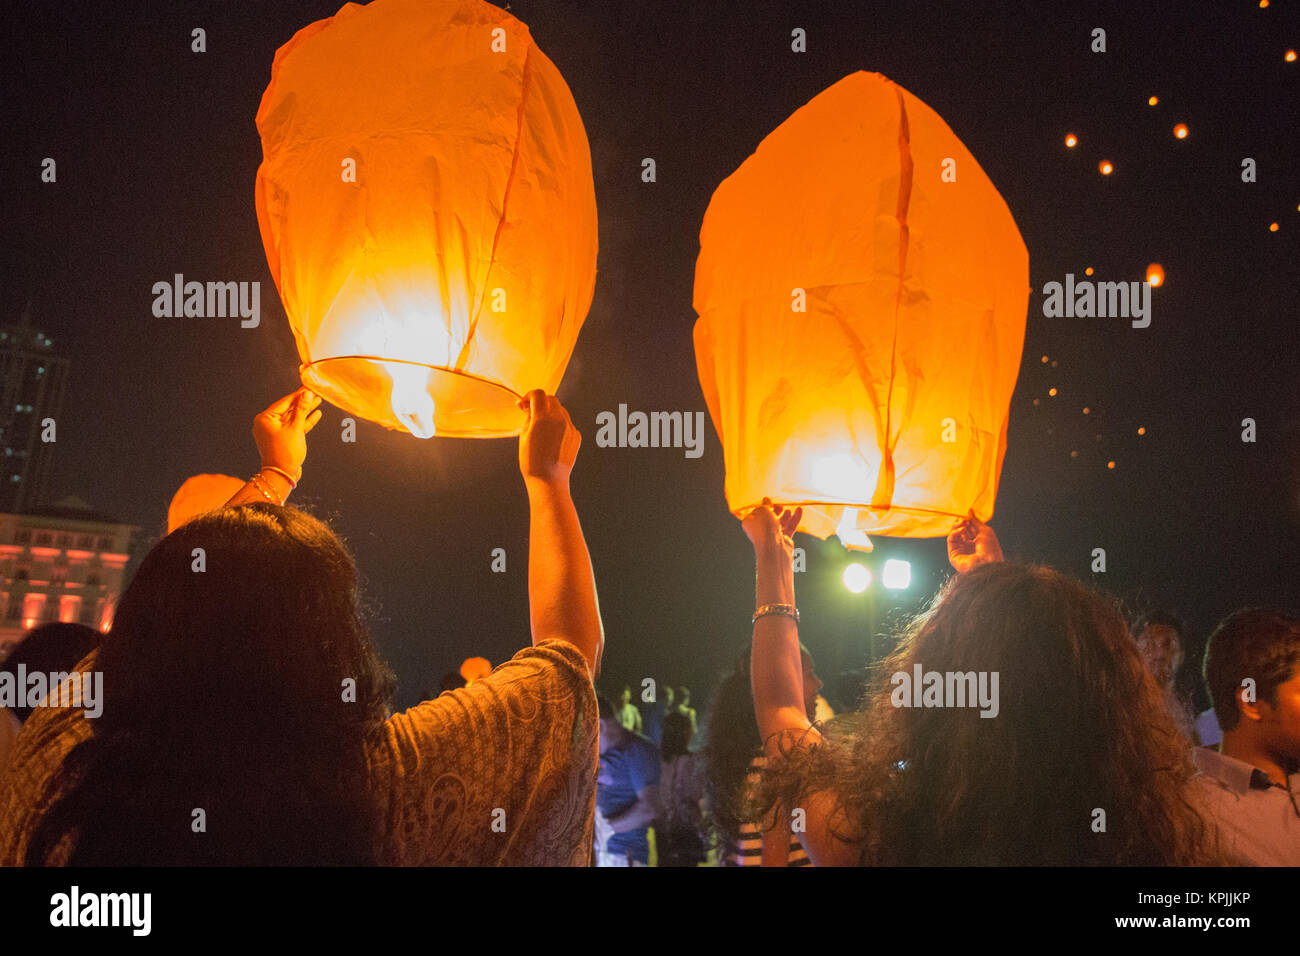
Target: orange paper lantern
pixel 475 668
pixel 199 495
pixel 427 207
pixel 862 291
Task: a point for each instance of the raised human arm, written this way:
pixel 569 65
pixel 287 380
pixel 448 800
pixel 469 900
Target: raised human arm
pixel 280 432
pixel 776 669
pixel 561 585
pixel 972 543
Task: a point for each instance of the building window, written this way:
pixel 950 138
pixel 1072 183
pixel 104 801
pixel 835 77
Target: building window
pixel 44 537
pixel 85 541
pixel 65 541
pixel 24 536
pixel 105 544
pixel 69 608
pixel 20 574
pixel 33 604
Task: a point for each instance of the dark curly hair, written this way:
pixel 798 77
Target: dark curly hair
pixel 224 690
pixel 1081 726
pixel 733 741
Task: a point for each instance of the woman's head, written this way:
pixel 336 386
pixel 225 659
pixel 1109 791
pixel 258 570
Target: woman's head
pixel 676 739
pixel 238 678
pixel 1081 764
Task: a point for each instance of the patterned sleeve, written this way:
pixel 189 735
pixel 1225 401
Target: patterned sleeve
pixel 500 772
pixel 27 781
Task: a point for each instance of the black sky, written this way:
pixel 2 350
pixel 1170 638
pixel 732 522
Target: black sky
pixel 157 152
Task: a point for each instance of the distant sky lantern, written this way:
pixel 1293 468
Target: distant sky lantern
pixel 1156 274
pixel 1071 140
pixel 1272 227
pixel 1153 101
pixel 1052 392
pixel 1290 56
pixel 426 203
pixel 1180 131
pixel 1088 271
pixel 199 495
pixel 475 668
pixel 862 291
pixel 1142 431
pixel 1106 167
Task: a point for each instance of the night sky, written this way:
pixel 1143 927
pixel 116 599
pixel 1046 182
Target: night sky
pixel 157 153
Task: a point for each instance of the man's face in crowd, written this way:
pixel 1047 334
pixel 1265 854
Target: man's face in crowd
pixel 1163 652
pixel 1280 724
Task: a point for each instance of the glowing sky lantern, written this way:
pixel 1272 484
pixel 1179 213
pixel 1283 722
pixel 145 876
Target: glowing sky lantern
pixel 1071 140
pixel 200 494
pixel 1180 131
pixel 862 291
pixel 1106 167
pixel 475 668
pixel 1156 274
pixel 427 207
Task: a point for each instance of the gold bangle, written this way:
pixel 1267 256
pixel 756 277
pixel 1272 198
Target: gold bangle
pixel 787 610
pixel 293 482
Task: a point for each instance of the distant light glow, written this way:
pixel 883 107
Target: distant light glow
pixel 1087 410
pixel 1181 131
pixel 1272 227
pixel 1110 465
pixel 1071 140
pixel 1156 274
pixel 1290 56
pixel 1106 167
pixel 896 575
pixel 857 578
pixel 1142 431
pixel 1088 271
pixel 1152 101
pixel 1052 392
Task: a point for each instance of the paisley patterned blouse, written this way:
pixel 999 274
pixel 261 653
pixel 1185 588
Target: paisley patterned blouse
pixel 502 772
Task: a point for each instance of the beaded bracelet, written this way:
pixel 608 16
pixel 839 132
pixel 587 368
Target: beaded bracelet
pixel 787 610
pixel 258 482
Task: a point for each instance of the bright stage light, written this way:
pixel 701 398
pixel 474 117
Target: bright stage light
pixel 857 578
pixel 896 574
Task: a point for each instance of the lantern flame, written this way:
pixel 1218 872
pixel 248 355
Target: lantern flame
pixel 412 404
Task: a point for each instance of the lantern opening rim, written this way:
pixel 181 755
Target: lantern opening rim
pixel 891 509
pixel 396 361
pixel 497 418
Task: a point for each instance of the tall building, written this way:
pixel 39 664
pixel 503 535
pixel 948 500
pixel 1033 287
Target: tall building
pixel 32 384
pixel 62 563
